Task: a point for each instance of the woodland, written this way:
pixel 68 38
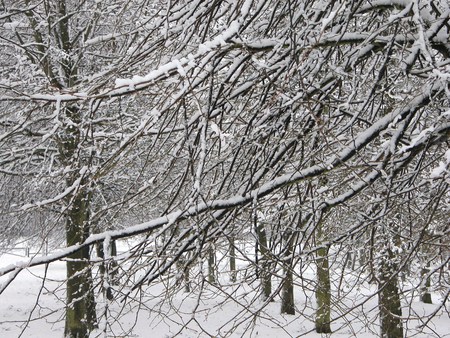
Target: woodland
pixel 274 153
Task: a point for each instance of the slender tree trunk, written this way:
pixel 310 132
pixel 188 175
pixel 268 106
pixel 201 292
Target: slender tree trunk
pixel 287 293
pixel 323 289
pixel 425 293
pixel 110 270
pixel 187 281
pixel 362 257
pixel 264 265
pixel 233 273
pixel 211 265
pixel 184 269
pixel 349 260
pixel 113 271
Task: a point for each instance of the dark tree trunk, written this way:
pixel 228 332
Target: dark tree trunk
pixel 211 265
pixel 323 293
pixel 323 289
pixel 263 266
pixel 287 294
pixel 425 293
pixel 80 314
pixel 108 269
pixel 233 273
pixel 187 281
pixel 389 295
pixel 390 310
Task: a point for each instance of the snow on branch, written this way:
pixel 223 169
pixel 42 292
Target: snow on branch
pixel 265 189
pixel 60 196
pixel 180 66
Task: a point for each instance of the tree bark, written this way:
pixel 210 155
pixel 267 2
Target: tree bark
pixel 390 309
pixel 187 281
pixel 211 265
pixel 323 289
pixel 389 295
pixel 80 312
pixel 287 294
pixel 233 273
pixel 425 293
pixel 264 265
pixel 109 268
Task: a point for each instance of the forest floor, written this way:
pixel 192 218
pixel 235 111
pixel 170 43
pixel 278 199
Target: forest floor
pixel 31 308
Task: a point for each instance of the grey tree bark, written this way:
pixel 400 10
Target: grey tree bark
pixel 263 264
pixel 425 291
pixel 389 293
pixel 287 295
pixel 232 253
pixel 80 312
pixel 212 265
pixel 323 289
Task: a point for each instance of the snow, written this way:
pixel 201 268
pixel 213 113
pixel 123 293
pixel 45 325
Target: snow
pixel 180 68
pixel 58 97
pixel 441 169
pixel 181 65
pixel 444 76
pixel 327 20
pixel 203 314
pixel 60 196
pixel 381 3
pixel 13 25
pixel 101 38
pixel 417 139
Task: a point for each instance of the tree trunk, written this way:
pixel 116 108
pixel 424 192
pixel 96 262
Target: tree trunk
pixel 113 270
pixel 233 273
pixel 390 309
pixel 389 295
pixel 323 289
pixel 183 270
pixel 109 268
pixel 425 293
pixel 264 265
pixel 80 312
pixel 287 294
pixel 80 307
pixel 211 265
pixel 187 281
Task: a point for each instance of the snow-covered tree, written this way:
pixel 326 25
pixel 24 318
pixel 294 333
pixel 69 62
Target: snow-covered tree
pixel 178 124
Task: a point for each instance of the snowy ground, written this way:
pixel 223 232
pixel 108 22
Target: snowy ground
pixel 29 308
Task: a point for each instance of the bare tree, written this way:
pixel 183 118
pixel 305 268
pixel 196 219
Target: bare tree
pixel 168 122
